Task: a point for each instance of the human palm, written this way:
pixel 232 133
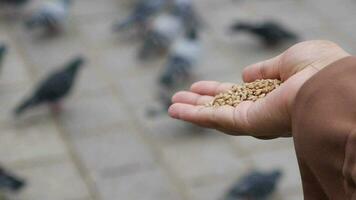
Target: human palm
pixel 269 117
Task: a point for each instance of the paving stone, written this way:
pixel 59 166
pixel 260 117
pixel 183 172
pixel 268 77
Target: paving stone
pixel 199 158
pixel 55 181
pixel 13 69
pixel 59 51
pixel 281 159
pixel 250 144
pixel 293 194
pixel 113 150
pixel 120 62
pixel 166 131
pixel 146 184
pixel 99 32
pixel 90 113
pixel 85 8
pixel 9 98
pixel 217 57
pixel 138 90
pixel 32 141
pixel 215 189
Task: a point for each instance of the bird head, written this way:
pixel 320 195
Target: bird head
pixel 276 174
pixel 3 49
pixel 192 34
pixel 76 64
pixel 240 26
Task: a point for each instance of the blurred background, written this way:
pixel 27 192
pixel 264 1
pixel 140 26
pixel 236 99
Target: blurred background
pixel 112 138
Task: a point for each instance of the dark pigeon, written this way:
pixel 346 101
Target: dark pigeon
pixel 254 186
pixel 141 14
pixel 271 33
pixel 10 182
pixel 183 56
pixel 57 86
pixel 3 50
pixel 14 3
pixel 51 16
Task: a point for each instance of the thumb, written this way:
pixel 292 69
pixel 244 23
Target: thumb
pixel 268 69
pixel 269 116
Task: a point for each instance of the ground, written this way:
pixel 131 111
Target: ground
pixel 103 146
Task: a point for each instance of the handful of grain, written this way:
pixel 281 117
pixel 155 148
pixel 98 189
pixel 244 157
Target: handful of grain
pixel 246 92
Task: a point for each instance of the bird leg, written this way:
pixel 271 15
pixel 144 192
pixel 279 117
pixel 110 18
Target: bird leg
pixel 56 108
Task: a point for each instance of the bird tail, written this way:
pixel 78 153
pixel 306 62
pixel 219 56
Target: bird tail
pixel 123 25
pixel 291 36
pixel 25 105
pixel 11 182
pixel 34 21
pixel 240 26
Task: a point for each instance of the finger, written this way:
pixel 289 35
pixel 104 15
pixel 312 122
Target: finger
pixel 268 69
pixel 191 98
pixel 226 118
pixel 204 116
pixel 210 88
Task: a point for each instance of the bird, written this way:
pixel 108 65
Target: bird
pixel 186 11
pixel 270 33
pixel 51 16
pixel 163 31
pixel 141 14
pixel 255 186
pixel 3 50
pixel 10 182
pixel 183 55
pixel 54 88
pixel 13 3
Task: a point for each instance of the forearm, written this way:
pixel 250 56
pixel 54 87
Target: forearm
pixel 323 123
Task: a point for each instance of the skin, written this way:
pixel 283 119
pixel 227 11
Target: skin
pixel 269 117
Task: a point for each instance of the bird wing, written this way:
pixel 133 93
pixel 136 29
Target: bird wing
pixel 54 87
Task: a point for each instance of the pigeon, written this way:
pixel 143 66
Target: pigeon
pixel 186 11
pixel 3 50
pixel 162 33
pixel 13 3
pixel 53 89
pixel 141 14
pixel 271 33
pixel 51 16
pixel 255 186
pixel 10 182
pixel 183 56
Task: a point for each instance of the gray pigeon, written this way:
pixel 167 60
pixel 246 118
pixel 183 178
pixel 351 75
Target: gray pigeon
pixel 164 30
pixel 184 54
pixel 56 87
pixel 141 14
pixel 254 186
pixel 51 16
pixel 186 11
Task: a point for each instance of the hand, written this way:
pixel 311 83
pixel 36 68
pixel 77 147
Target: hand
pixel 269 117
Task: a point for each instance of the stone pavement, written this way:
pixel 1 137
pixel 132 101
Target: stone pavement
pixel 103 147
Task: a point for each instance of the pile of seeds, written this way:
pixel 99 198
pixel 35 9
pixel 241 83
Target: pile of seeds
pixel 246 92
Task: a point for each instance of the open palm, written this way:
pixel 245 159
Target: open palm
pixel 269 117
